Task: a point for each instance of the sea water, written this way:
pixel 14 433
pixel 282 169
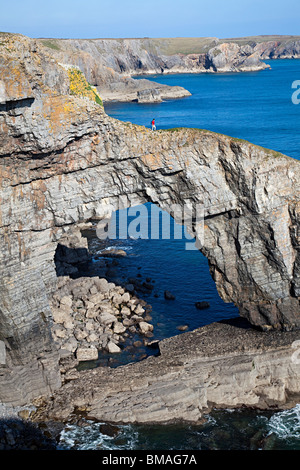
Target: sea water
pixel 258 107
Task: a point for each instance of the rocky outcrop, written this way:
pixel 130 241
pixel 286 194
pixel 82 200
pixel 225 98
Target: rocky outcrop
pixel 65 162
pixel 218 366
pixel 111 64
pixel 279 49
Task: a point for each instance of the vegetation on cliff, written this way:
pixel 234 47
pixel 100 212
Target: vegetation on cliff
pixel 80 86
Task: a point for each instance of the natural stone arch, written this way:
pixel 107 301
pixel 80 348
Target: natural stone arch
pixel 63 160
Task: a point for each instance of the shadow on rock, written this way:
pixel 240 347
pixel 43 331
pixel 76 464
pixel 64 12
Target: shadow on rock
pixel 17 434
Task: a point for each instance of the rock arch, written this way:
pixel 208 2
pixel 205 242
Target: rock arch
pixel 64 161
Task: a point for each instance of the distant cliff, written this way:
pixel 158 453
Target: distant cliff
pixel 110 64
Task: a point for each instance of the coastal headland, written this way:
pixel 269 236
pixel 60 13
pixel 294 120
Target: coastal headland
pixel 112 64
pixel 66 163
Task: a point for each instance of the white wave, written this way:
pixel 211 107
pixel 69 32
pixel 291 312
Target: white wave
pixel 89 437
pixel 286 424
pixel 115 247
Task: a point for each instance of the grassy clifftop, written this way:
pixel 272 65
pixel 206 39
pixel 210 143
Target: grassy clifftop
pixel 178 45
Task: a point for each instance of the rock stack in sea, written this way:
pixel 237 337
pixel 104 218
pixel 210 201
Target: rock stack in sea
pixel 91 315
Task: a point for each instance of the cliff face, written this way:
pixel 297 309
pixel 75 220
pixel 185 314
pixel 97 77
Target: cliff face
pixel 110 64
pixel 65 162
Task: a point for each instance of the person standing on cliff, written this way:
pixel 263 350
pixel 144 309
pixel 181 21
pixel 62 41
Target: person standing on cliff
pixel 153 125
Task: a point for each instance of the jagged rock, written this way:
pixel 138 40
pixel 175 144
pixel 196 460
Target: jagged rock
pixel 92 338
pixel 59 331
pixel 80 333
pixel 102 285
pixel 72 374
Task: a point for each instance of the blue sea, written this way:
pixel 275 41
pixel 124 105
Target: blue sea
pixel 258 107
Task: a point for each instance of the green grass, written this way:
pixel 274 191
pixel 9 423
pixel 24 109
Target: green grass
pixel 50 44
pixel 171 46
pixel 260 39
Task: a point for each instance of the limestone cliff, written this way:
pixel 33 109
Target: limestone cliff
pixel 64 162
pixel 111 64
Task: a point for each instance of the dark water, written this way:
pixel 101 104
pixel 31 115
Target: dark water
pixel 255 106
pixel 173 265
pixel 223 430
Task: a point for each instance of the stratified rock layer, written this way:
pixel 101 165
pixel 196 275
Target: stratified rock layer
pixel 65 162
pixel 216 366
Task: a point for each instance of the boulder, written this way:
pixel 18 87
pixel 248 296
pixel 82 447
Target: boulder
pixel 106 318
pixel 117 299
pixel 182 327
pixel 130 287
pixel 2 353
pixel 96 298
pixel 202 305
pixel 102 284
pixel 113 348
pixel 92 337
pixel 126 311
pixel 60 316
pixel 112 252
pixel 59 331
pixel 87 354
pixel 139 310
pixel 93 290
pixel 126 297
pixel 119 328
pixel 70 345
pixel 66 300
pixel 80 334
pixel 145 327
pixel 168 295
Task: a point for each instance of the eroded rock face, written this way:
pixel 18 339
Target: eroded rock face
pixel 111 64
pixel 64 162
